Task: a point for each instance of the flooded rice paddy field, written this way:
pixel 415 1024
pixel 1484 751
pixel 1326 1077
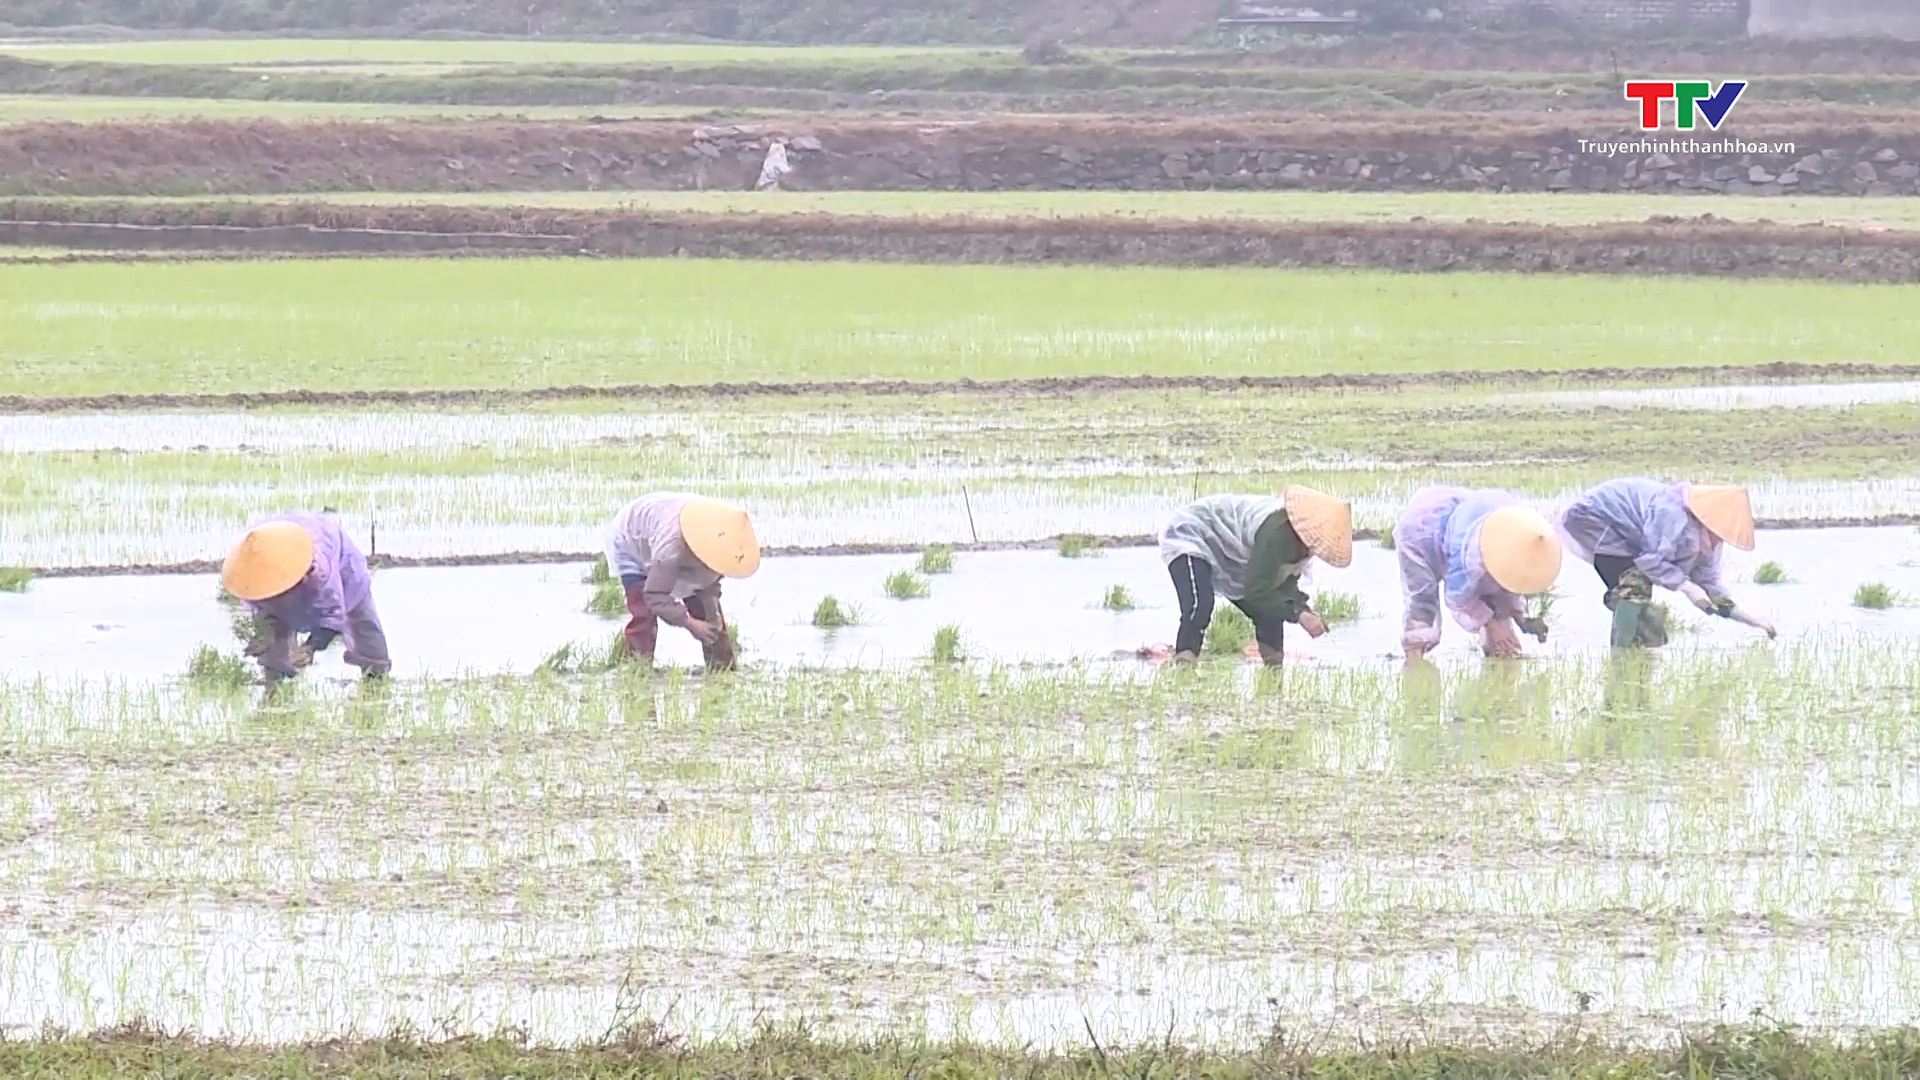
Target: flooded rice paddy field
pixel 140 489
pixel 1012 606
pixel 1007 855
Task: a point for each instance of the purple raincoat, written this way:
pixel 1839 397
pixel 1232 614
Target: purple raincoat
pixel 1646 521
pixel 1438 542
pixel 336 595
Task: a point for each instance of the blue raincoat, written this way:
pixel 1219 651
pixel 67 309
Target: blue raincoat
pixel 1646 521
pixel 1438 542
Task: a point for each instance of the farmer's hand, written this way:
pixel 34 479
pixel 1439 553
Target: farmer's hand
pixel 705 632
pixel 1500 640
pixel 302 656
pixel 1698 597
pixel 1311 624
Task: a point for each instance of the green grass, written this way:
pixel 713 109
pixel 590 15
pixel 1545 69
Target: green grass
pixel 1337 607
pixel 936 559
pixel 15 579
pixel 1770 573
pixel 907 585
pixel 1575 208
pixel 1230 632
pixel 87 108
pixel 597 573
pixel 370 324
pixel 1877 596
pixel 1118 598
pixel 831 614
pixel 609 600
pixel 948 647
pixel 1078 546
pixel 392 52
pixel 211 669
pixel 575 658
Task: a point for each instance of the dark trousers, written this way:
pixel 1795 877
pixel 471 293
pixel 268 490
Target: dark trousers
pixel 643 627
pixel 1193 584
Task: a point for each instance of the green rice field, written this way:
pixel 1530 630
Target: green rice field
pixel 340 53
pixel 375 324
pixel 24 108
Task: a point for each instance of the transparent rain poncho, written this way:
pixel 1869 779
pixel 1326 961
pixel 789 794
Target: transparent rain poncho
pixel 1646 521
pixel 1438 541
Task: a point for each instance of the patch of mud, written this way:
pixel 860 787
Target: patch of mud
pixel 1746 251
pixel 495 399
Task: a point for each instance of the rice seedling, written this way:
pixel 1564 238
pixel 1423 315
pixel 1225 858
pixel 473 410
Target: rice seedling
pixel 1540 605
pixel 1078 546
pixel 907 585
pixel 1876 596
pixel 1118 598
pixel 831 614
pixel 1230 632
pixel 226 599
pixel 1770 573
pixel 597 573
pixel 947 647
pixel 936 559
pixel 211 669
pixel 1386 541
pixel 671 817
pixel 15 578
pixel 609 600
pixel 574 658
pixel 1337 607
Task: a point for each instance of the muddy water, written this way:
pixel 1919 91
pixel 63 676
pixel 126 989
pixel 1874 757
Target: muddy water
pixel 1009 606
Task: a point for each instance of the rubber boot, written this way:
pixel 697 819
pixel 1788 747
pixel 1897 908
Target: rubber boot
pixel 1626 623
pixel 1653 628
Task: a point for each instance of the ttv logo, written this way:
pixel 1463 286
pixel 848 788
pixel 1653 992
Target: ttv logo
pixel 1688 97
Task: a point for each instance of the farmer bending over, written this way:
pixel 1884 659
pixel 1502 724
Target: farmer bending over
pixel 1251 549
pixel 1639 533
pixel 301 572
pixel 1488 551
pixel 671 551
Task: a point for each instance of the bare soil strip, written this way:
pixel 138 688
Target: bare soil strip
pixel 532 558
pixel 1103 384
pixel 1695 248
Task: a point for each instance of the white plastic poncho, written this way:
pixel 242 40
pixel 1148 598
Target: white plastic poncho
pixel 1646 521
pixel 1438 542
pixel 1219 530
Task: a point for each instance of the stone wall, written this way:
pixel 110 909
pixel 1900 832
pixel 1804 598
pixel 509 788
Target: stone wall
pixel 1835 18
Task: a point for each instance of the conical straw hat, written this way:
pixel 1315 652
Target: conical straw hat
pixel 1520 550
pixel 720 536
pixel 1323 522
pixel 268 560
pixel 1725 510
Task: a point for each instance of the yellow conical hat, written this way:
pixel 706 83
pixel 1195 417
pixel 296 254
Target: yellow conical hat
pixel 268 560
pixel 1323 522
pixel 720 536
pixel 1520 550
pixel 1725 510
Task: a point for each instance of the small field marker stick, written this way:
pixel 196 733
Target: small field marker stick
pixel 969 502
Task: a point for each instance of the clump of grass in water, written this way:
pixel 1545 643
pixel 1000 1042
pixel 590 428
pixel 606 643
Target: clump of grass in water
pixel 937 559
pixel 831 614
pixel 1117 599
pixel 1228 633
pixel 15 578
pixel 907 585
pixel 1078 546
pixel 577 659
pixel 1386 539
pixel 609 600
pixel 1770 573
pixel 598 573
pixel 211 669
pixel 1874 596
pixel 1337 607
pixel 946 645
